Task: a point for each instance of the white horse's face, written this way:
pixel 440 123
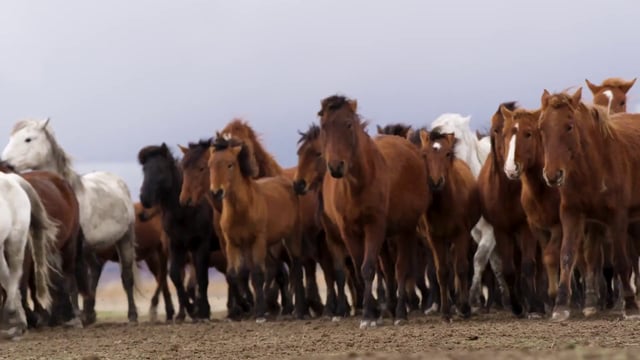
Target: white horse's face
pixel 28 148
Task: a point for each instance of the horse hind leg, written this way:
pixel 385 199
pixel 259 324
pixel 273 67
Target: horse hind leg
pixel 127 255
pixel 483 235
pixel 10 277
pixel 153 264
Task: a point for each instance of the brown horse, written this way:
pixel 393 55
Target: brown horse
pixel 612 93
pixel 61 204
pixel 588 152
pixel 502 208
pixel 308 179
pixel 271 209
pixel 374 190
pixel 453 212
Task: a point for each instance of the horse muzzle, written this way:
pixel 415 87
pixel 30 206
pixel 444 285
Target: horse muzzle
pixel 300 187
pixel 218 195
pixel 513 173
pixel 436 185
pixel 336 169
pixel 556 180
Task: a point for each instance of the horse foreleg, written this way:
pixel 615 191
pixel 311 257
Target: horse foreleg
pixel 404 262
pixel 505 245
pixel 10 276
pixel 93 268
pixel 593 260
pixel 201 262
pixel 153 265
pixel 374 238
pixel 618 231
pixel 529 247
pixel 258 268
pixel 572 233
pixel 178 261
pixel 484 253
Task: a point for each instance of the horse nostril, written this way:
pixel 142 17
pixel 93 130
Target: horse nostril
pixel 299 186
pixel 559 174
pixel 218 194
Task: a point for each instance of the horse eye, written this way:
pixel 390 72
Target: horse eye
pixel 318 154
pixel 622 103
pixel 230 166
pixel 27 140
pixel 569 127
pixel 449 154
pixel 202 168
pixel 527 135
pixel 348 125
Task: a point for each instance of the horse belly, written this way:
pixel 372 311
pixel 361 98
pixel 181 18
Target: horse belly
pixel 106 212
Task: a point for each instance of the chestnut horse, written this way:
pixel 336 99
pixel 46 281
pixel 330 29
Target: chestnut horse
pixel 308 179
pixel 612 93
pixel 268 166
pixel 587 152
pixel 375 189
pixel 270 208
pixel 502 208
pixel 453 212
pixel 61 204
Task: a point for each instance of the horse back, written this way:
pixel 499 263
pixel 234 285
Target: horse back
pixel 408 192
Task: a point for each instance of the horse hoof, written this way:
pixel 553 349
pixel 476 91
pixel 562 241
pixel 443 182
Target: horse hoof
pixel 153 315
pixel 15 333
pixel 261 320
pixel 74 323
pixel 336 319
pixel 432 309
pixel 632 317
pixel 589 311
pixel 399 322
pixel 364 324
pixel 447 320
pixel 534 316
pixel 560 315
pixel 379 321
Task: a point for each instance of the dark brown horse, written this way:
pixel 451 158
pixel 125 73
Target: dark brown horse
pixel 502 208
pixel 612 93
pixel 374 190
pixel 61 204
pixel 587 152
pixel 271 208
pixel 453 212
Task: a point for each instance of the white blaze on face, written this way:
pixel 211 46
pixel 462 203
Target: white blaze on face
pixel 437 146
pixel 510 163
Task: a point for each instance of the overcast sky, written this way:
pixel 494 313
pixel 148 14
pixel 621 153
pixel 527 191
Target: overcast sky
pixel 118 75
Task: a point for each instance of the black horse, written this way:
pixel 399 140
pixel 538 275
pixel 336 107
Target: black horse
pixel 189 228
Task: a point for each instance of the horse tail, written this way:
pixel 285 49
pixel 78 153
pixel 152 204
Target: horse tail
pixel 42 238
pixel 609 96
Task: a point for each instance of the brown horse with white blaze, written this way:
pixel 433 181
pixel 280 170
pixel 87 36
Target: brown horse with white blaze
pixel 587 152
pixel 453 212
pixel 258 217
pixel 374 189
pixel 612 93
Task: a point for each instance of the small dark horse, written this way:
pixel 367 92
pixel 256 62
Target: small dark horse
pixel 189 228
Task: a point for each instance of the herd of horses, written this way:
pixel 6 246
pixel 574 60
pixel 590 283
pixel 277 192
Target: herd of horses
pixel 540 215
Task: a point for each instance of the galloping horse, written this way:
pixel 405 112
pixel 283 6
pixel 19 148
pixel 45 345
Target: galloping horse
pixel 106 209
pixel 374 190
pixel 258 217
pixel 62 206
pixel 586 151
pixel 23 221
pixel 453 212
pixel 501 207
pixel 189 228
pixel 612 93
pixel 472 150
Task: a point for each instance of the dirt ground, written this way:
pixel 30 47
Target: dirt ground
pixel 494 336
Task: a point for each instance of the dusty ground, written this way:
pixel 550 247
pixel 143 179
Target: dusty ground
pixel 495 336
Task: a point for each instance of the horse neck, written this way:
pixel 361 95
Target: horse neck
pixel 469 152
pixel 532 176
pixel 267 165
pixel 64 170
pixel 238 199
pixel 364 164
pixel 594 147
pixel 171 198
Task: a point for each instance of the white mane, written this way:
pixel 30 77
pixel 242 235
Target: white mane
pixel 467 148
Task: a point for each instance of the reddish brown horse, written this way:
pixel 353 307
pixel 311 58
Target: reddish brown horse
pixel 586 152
pixel 453 212
pixel 612 93
pixel 61 204
pixel 374 190
pixel 502 208
pixel 269 205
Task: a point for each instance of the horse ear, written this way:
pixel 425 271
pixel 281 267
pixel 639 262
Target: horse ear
pixel 545 98
pixel 593 87
pixel 235 150
pixel 424 138
pixel 627 86
pixel 164 148
pixel 409 134
pixel 353 104
pixel 537 113
pixel 45 123
pixel 380 130
pixel 451 138
pixel 183 149
pixel 506 113
pixel 575 99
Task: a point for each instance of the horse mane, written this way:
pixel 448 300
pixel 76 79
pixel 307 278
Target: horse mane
pixel 61 160
pixel 414 137
pixel 196 150
pixel 599 113
pixel 337 102
pixel 397 129
pixel 153 150
pixel 614 82
pixel 267 165
pixel 437 134
pixel 222 143
pixel 311 134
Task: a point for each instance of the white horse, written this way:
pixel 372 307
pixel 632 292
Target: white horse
pixel 107 215
pixel 474 152
pixel 23 220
